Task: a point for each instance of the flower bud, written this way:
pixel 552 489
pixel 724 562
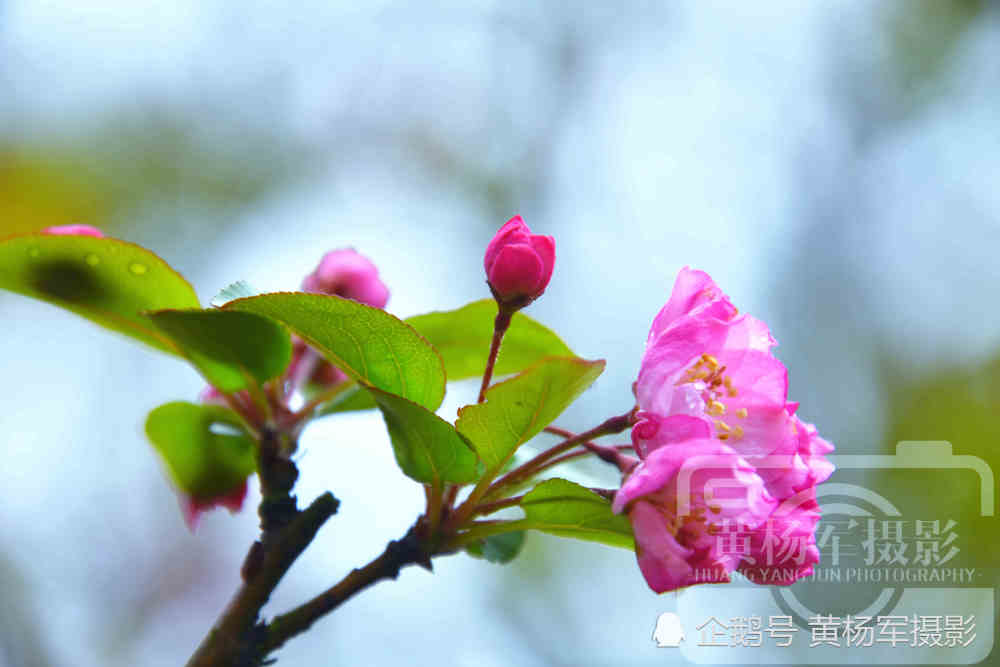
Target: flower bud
pixel 212 396
pixel 344 273
pixel 518 263
pixel 193 507
pixel 74 230
pixel 347 274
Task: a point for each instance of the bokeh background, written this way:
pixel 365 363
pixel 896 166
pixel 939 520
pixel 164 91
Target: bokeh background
pixel 834 165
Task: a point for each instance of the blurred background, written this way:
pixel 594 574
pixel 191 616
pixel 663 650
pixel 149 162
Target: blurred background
pixel 834 166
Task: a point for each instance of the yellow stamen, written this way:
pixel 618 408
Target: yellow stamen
pixel 716 409
pixel 742 413
pixel 737 432
pixel 722 426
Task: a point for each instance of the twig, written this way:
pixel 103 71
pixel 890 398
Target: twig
pixel 398 554
pixel 236 637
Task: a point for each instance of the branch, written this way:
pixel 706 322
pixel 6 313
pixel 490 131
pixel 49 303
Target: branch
pixel 398 554
pixel 234 639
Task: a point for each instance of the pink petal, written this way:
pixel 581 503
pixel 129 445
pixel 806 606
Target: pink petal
pixel 74 230
pixel 661 559
pixel 691 290
pixel 783 549
pixel 350 275
pixel 653 431
pixel 677 477
pixel 517 270
pixel 670 354
pixel 545 248
pixel 513 231
pixel 758 377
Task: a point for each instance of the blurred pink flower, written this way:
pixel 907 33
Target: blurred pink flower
pixel 344 273
pixel 350 275
pixel 708 372
pixel 74 230
pixel 518 263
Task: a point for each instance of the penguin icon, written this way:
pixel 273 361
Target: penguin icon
pixel 668 632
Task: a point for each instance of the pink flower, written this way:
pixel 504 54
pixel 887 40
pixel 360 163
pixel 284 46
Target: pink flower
pixel 193 508
pixel 783 549
pixel 343 273
pixel 518 263
pixel 347 274
pixel 679 499
pixel 708 373
pixel 74 230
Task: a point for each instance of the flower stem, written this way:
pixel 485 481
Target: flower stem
pixel 484 489
pixel 308 363
pixel 500 326
pixel 451 495
pixel 435 500
pixel 576 454
pixel 306 410
pixel 490 508
pixel 526 470
pixel 480 529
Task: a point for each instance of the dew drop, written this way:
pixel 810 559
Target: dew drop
pixel 34 252
pixel 93 259
pixel 137 268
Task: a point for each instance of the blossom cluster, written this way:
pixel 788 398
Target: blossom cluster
pixel 719 444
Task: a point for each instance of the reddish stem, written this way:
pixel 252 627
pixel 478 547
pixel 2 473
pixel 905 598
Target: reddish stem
pixel 500 326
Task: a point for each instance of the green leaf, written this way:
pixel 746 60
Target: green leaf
pixel 463 338
pixel 231 349
pixel 204 447
pixel 502 548
pixel 427 448
pixel 370 345
pixel 560 507
pixel 108 281
pixel 518 409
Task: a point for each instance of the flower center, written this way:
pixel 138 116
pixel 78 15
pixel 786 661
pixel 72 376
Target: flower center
pixel 708 375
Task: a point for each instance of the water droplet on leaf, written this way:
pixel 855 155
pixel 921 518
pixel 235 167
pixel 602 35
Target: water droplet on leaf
pixel 34 252
pixel 137 268
pixel 93 259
